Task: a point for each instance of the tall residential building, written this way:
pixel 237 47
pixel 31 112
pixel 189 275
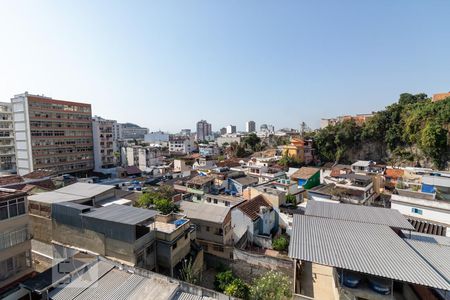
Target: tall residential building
pixel 7 149
pixel 204 130
pixel 117 131
pixel 52 134
pixel 223 131
pixel 231 129
pixel 250 126
pixel 15 238
pixel 102 131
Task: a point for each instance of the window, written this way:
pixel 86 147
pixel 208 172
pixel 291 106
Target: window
pixel 12 208
pixel 227 203
pixel 3 210
pixel 207 228
pixel 185 236
pixel 174 246
pixel 215 201
pixel 417 211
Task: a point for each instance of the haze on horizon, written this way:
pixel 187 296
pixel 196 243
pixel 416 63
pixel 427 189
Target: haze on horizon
pixel 167 64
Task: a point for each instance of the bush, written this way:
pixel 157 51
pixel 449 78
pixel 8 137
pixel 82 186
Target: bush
pixel 291 199
pixel 271 286
pixel 223 279
pixel 165 206
pixel 280 244
pixel 237 288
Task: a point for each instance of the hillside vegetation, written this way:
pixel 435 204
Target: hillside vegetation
pixel 414 131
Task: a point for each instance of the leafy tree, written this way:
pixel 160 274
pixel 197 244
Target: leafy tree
pixel 290 162
pixel 223 279
pixel 291 199
pixel 238 288
pixel 165 206
pixel 145 200
pixel 280 243
pixel 252 140
pixel 434 143
pixel 271 286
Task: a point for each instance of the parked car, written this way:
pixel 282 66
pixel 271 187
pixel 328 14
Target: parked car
pixel 380 285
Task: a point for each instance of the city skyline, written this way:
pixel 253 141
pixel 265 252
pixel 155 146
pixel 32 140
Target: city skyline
pixel 224 62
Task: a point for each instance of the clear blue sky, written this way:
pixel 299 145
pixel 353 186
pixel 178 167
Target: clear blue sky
pixel 166 64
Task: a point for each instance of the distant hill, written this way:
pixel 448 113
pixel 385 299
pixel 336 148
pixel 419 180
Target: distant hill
pixel 414 131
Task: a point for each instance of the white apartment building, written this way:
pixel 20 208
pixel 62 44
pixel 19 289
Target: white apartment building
pixel 231 129
pixel 143 157
pixel 180 145
pixel 7 147
pixel 103 138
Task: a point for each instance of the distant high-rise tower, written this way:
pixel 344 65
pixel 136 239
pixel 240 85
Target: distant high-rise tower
pixel 231 129
pixel 204 130
pixel 223 131
pixel 250 126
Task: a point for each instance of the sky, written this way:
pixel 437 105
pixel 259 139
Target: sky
pixel 167 64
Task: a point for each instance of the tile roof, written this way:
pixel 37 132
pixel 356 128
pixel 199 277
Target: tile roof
pixel 394 173
pixel 356 213
pixel 362 247
pixel 132 170
pixel 305 173
pixel 252 206
pixel 10 179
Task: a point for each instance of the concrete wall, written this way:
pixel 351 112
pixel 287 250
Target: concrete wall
pixel 41 228
pixel 240 223
pixel 432 214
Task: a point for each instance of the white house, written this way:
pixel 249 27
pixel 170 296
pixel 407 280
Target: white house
pixel 256 218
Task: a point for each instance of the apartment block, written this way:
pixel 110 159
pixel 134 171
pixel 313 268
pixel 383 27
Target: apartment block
pixel 103 139
pixel 7 148
pixel 15 239
pixel 52 134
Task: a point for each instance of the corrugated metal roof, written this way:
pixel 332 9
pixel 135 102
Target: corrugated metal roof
pixel 429 238
pixel 121 214
pixel 362 247
pixel 87 190
pixel 438 256
pixel 185 296
pixel 77 286
pixel 363 214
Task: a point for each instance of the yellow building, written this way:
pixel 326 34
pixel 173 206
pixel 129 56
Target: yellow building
pixel 295 149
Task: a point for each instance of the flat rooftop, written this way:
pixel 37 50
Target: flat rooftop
pixel 204 211
pixel 121 214
pixel 356 213
pixel 362 247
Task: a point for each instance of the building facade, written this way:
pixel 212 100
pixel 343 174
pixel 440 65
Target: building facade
pixel 231 129
pixel 250 126
pixel 15 238
pixel 52 134
pixel 7 148
pixel 204 130
pixel 103 140
pixel 133 131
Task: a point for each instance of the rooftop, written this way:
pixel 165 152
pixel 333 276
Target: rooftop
pixel 251 207
pixel 121 214
pixel 246 180
pixel 86 190
pixel 356 213
pixel 10 193
pixel 201 180
pixel 362 247
pixel 204 211
pixel 305 173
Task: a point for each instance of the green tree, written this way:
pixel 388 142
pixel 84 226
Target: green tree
pixel 291 199
pixel 165 206
pixel 271 286
pixel 223 279
pixel 252 140
pixel 280 243
pixel 434 143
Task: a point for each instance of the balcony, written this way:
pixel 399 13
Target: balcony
pixel 13 238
